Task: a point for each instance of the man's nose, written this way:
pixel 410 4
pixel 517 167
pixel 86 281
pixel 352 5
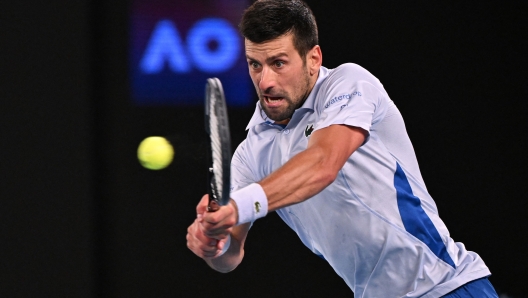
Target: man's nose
pixel 267 79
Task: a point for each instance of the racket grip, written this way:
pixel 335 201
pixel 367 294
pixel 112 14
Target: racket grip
pixel 213 206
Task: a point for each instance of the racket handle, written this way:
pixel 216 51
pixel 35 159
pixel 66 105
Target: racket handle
pixel 213 206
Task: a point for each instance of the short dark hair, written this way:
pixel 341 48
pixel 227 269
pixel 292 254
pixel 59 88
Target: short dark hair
pixel 266 20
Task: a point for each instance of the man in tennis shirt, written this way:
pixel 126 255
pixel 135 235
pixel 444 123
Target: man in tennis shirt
pixel 327 149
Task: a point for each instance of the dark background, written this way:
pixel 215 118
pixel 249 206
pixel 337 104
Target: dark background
pixel 79 217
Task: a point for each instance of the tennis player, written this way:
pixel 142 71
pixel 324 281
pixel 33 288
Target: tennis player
pixel 327 149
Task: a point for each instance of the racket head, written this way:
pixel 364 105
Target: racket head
pixel 217 127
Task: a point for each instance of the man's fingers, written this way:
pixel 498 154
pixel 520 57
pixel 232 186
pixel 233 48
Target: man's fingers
pixel 199 244
pixel 201 208
pixel 197 232
pixel 220 247
pixel 224 216
pixel 218 234
pixel 218 230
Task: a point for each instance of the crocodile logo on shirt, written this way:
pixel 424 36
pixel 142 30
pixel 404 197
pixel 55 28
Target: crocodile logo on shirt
pixel 308 130
pixel 257 207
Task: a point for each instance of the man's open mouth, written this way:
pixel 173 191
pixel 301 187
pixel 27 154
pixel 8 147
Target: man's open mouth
pixel 272 100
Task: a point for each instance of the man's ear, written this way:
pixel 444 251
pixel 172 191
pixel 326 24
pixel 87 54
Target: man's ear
pixel 314 59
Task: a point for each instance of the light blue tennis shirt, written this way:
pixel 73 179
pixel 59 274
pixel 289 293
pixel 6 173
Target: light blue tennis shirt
pixel 376 224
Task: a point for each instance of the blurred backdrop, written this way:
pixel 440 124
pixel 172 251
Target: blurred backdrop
pixel 83 82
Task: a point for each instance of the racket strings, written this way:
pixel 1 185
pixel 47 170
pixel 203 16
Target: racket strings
pixel 216 147
pixel 218 129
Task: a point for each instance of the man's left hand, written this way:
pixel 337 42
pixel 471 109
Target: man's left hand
pixel 219 224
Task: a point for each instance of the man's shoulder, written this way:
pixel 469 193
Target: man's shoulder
pixel 350 75
pixel 341 79
pixel 241 152
pixel 349 66
pixel 351 70
pixel 242 146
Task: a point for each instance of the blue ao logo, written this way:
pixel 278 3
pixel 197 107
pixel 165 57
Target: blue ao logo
pixel 166 46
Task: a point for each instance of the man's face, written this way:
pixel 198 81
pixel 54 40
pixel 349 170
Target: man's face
pixel 280 76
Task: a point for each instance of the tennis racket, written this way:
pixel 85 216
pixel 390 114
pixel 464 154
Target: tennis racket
pixel 217 127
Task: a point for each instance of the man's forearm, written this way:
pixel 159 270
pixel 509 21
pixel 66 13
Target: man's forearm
pixel 234 254
pixel 312 170
pixel 229 260
pixel 302 177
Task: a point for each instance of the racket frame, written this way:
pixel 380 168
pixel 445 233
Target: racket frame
pixel 216 113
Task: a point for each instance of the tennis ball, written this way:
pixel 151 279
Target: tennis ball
pixel 155 153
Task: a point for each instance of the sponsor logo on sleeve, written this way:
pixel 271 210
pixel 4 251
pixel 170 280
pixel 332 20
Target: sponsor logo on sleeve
pixel 341 97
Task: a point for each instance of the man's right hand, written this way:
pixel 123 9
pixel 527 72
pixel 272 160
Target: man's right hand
pixel 201 245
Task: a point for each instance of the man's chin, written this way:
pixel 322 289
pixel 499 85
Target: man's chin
pixel 276 118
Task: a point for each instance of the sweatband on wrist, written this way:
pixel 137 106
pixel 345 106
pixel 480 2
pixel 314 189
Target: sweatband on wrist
pixel 226 246
pixel 251 202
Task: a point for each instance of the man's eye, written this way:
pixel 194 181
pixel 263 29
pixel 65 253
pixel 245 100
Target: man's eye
pixel 279 63
pixel 254 65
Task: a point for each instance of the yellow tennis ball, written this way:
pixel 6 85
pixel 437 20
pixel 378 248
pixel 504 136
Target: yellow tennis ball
pixel 155 153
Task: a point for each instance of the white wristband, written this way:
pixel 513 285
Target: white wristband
pixel 226 246
pixel 251 202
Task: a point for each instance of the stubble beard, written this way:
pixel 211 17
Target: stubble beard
pixel 291 105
